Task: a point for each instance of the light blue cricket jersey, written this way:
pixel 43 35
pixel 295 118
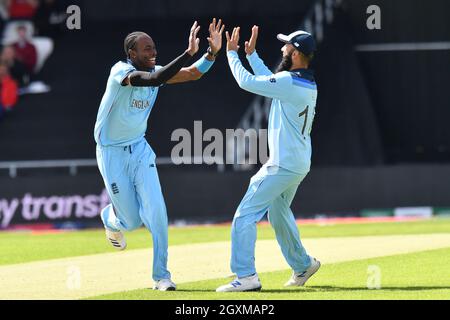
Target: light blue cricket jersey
pixel 292 111
pixel 124 110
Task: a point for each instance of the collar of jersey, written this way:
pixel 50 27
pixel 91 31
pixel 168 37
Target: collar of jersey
pixel 307 74
pixel 131 63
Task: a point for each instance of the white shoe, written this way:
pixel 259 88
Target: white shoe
pixel 299 279
pixel 165 285
pixel 116 239
pixel 251 283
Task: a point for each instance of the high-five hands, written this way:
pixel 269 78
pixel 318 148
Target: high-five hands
pixel 193 40
pixel 215 35
pixel 233 41
pixel 250 45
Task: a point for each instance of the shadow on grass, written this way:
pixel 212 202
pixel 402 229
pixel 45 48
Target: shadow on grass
pixel 337 289
pixel 331 289
pixel 196 290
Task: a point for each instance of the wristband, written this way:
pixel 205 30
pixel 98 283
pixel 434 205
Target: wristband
pixel 203 64
pixel 209 50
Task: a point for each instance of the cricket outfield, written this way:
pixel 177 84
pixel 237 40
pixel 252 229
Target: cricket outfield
pixel 396 260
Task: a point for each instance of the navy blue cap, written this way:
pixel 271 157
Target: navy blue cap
pixel 301 40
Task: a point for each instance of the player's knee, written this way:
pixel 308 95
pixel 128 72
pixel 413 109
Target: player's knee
pixel 131 225
pixel 275 222
pixel 235 224
pixel 155 218
pixel 271 216
pixel 241 223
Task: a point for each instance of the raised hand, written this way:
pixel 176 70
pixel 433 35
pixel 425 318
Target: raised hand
pixel 251 44
pixel 193 40
pixel 233 41
pixel 215 35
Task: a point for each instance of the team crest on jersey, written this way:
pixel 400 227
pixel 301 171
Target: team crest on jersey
pixel 115 188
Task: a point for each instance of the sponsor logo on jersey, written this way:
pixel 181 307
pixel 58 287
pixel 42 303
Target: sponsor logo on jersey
pixel 140 104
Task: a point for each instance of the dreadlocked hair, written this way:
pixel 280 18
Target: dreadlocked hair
pixel 130 41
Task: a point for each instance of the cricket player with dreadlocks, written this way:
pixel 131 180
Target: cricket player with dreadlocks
pixel 125 159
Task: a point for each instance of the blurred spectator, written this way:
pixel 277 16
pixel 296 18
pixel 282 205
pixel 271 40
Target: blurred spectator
pixel 25 50
pixel 8 90
pixel 18 12
pixel 50 18
pixel 17 69
pixel 22 9
pixel 10 31
pixel 32 51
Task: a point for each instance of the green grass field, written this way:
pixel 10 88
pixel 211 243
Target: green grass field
pixel 422 275
pixel 416 275
pixel 18 247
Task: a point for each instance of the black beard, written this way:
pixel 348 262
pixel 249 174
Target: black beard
pixel 285 64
